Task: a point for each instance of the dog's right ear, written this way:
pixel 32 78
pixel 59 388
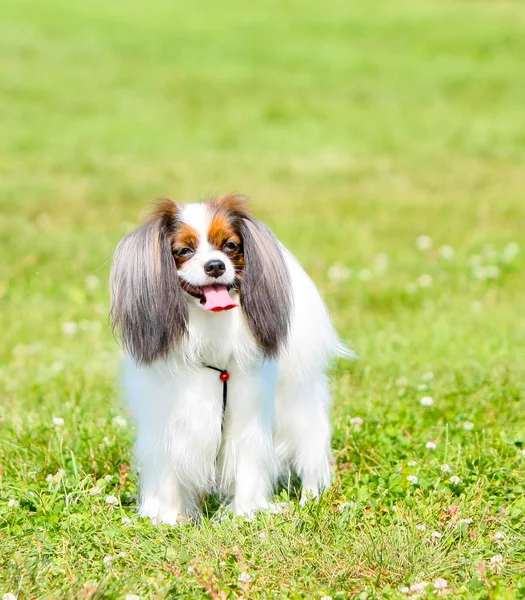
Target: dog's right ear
pixel 148 309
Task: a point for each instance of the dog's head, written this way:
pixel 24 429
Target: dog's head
pixel 213 255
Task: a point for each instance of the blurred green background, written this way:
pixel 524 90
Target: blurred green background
pixel 356 128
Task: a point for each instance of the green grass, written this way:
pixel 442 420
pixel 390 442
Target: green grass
pixel 355 127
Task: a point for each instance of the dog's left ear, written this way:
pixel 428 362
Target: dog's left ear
pixel 266 290
pixel 147 305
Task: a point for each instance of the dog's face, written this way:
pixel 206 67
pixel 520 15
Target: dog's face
pixel 213 255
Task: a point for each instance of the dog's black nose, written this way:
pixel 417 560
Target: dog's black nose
pixel 214 268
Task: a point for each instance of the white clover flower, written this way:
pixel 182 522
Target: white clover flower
pixel 446 252
pixel 468 426
pixel 126 521
pixel 419 588
pixel 9 596
pixel 455 480
pixel 467 521
pixel 365 274
pixel 427 376
pixel 425 280
pixel 446 468
pixel 440 583
pixel 92 282
pixel 131 597
pixel 338 273
pixel 381 263
pixel 108 478
pixel 406 590
pixel 356 421
pixel 262 535
pixel 107 560
pixel 497 559
pixel 402 382
pixel 499 535
pixel 424 242
pixel 190 569
pixel 95 490
pixel 413 479
pixel 245 578
pixel 119 421
pixel 412 463
pixel 421 527
pixel 427 401
pixel 13 503
pixel 49 478
pixel 436 535
pixel 122 554
pixel 58 421
pixel 112 501
pixel 69 328
pixel 430 445
pixel 422 387
pixel 510 251
pixel 326 597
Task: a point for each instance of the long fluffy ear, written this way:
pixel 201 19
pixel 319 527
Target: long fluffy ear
pixel 266 291
pixel 147 306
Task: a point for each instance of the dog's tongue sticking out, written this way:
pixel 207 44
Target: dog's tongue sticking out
pixel 217 298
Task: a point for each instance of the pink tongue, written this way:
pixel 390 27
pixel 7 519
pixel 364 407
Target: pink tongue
pixel 217 298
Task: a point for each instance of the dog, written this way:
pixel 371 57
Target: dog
pixel 227 342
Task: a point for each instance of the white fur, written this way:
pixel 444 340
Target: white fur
pixel 277 415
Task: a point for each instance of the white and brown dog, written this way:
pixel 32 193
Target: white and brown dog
pixel 204 297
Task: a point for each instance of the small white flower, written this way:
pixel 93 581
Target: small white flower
pixel 427 401
pixel 95 490
pixel 402 382
pixel 406 590
pixel 497 559
pixel 365 274
pixel 356 421
pixel 455 480
pixel 446 468
pixel 436 535
pixel 492 272
pixel 108 559
pixel 112 501
pixel 430 445
pixel 421 527
pixel 326 597
pixel 412 463
pixel 381 263
pixel 245 578
pixel 9 596
pixel 126 521
pixel 468 426
pixel 262 535
pixel 122 554
pixel 422 387
pixel 440 583
pixel 467 521
pixel 499 535
pixel 58 421
pixel 108 478
pixel 446 252
pixel 419 588
pixel 510 251
pixel 425 280
pixel 424 242
pixel 91 282
pixel 119 421
pixel 69 328
pixel 13 503
pixel 131 597
pixel 411 288
pixel 190 569
pixel 106 440
pixel 49 478
pixel 413 479
pixel 429 376
pixel 338 273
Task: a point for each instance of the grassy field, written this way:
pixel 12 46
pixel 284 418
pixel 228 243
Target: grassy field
pixel 384 142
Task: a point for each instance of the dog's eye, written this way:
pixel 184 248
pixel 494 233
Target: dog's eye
pixel 185 252
pixel 230 246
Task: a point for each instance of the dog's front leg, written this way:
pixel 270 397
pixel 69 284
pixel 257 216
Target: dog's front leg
pixel 248 465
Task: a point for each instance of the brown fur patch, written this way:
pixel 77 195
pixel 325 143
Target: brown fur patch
pixel 184 237
pixel 225 228
pixel 236 204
